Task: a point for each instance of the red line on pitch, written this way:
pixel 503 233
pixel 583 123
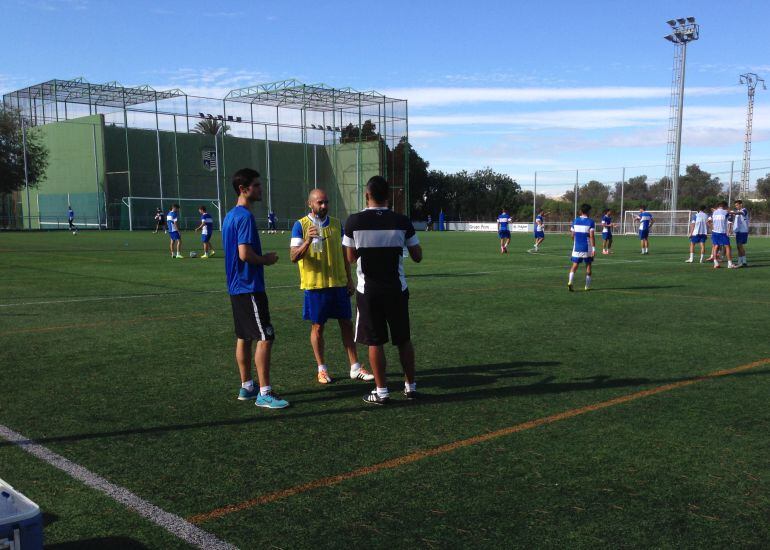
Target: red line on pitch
pixel 449 447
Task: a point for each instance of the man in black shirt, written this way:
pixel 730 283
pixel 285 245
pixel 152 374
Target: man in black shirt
pixel 375 239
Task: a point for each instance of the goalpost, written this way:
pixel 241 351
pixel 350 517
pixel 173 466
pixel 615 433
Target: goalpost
pixel 666 222
pixel 141 210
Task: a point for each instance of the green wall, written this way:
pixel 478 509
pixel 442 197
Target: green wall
pixel 75 174
pixel 127 165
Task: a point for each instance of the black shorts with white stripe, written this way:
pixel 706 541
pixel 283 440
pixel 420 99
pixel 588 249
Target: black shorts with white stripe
pixel 380 312
pixel 252 316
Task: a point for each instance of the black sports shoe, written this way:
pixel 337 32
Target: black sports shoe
pixel 410 395
pixel 375 399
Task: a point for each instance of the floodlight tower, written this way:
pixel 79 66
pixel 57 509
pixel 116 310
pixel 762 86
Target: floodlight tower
pixel 683 31
pixel 750 80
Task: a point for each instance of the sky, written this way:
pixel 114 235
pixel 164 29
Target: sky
pixel 521 87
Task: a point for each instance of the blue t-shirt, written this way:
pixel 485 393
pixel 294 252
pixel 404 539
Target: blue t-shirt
pixel 239 227
pixel 70 215
pixel 582 228
pixel 172 219
pixel 208 224
pixel 644 221
pixel 606 224
pixel 503 219
pixel 271 217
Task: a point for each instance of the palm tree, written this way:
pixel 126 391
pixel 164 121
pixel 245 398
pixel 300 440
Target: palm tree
pixel 210 126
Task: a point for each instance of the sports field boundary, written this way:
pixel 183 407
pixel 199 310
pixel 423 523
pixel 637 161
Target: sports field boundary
pixel 172 523
pixel 330 481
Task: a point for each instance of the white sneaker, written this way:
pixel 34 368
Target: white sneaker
pixel 688 261
pixel 361 374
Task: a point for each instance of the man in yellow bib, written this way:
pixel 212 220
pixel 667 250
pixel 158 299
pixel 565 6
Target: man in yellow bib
pixel 316 247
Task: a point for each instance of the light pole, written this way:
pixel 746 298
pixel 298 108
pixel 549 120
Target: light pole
pixel 750 80
pixel 216 166
pixel 683 31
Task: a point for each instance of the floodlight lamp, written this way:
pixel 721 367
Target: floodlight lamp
pixel 238 119
pixel 670 38
pixel 691 20
pixel 671 22
pixel 209 116
pixel 329 128
pixel 220 117
pixel 202 115
pixel 681 21
pixel 230 118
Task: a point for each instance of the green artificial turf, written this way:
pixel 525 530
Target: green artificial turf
pixel 121 359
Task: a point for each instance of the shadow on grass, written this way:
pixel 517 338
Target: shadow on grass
pixel 432 378
pixel 124 543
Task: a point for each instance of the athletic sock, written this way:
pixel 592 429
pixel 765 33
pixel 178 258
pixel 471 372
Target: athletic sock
pixel 691 256
pixel 248 385
pixel 588 281
pixel 383 392
pixel 321 368
pixel 701 258
pixel 571 276
pixel 410 387
pixel 355 367
pixel 264 390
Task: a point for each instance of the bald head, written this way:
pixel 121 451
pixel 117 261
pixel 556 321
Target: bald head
pixel 318 203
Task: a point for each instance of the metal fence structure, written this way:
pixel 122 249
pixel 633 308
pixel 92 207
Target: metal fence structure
pixel 110 142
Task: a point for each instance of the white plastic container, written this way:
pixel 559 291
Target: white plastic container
pixel 21 523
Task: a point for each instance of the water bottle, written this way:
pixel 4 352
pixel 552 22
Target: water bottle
pixel 317 245
pixel 405 252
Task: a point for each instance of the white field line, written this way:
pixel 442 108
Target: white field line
pixel 172 523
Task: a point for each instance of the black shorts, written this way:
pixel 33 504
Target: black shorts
pixel 376 313
pixel 252 316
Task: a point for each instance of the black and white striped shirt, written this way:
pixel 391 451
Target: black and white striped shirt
pixel 379 235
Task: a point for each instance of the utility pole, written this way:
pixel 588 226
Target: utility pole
pixel 750 80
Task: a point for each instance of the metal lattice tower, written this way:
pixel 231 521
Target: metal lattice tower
pixel 683 32
pixel 751 80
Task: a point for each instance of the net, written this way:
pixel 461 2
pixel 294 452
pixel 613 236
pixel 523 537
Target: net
pixel 665 222
pixel 140 211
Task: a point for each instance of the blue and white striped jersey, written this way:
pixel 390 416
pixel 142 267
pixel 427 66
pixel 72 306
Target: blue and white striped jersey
pixel 719 221
pixel 741 221
pixel 582 228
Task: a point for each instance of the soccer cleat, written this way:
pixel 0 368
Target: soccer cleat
pixel 587 288
pixel 733 266
pixel 375 399
pixel 178 256
pixel 570 287
pixel 211 253
pixel 245 395
pixel 688 261
pixel 324 378
pixel 717 266
pixel 361 374
pixel 271 401
pixel 411 395
pixel 204 256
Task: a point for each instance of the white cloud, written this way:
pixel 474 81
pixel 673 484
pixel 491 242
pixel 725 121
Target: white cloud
pixel 440 96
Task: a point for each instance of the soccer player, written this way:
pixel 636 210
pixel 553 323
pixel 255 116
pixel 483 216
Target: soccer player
pixel 324 273
pixel 375 239
pixel 503 232
pixel 720 228
pixel 429 223
pixel 71 219
pixel 271 219
pixel 698 233
pixel 206 228
pixel 539 229
pixel 172 220
pixel 645 224
pixel 584 245
pixel 741 229
pixel 245 268
pixel 159 220
pixel 607 231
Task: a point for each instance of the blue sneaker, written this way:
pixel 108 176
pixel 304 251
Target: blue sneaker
pixel 245 395
pixel 271 401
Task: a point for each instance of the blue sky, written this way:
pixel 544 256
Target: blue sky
pixel 518 86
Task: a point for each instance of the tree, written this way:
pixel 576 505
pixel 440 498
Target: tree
pixel 210 126
pixel 697 186
pixel 12 154
pixel 636 189
pixel 763 187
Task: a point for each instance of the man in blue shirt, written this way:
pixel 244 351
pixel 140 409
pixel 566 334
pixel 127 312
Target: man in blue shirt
pixel 584 245
pixel 645 224
pixel 172 220
pixel 206 228
pixel 539 230
pixel 503 232
pixel 607 231
pixel 71 220
pixel 244 266
pixel 271 219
